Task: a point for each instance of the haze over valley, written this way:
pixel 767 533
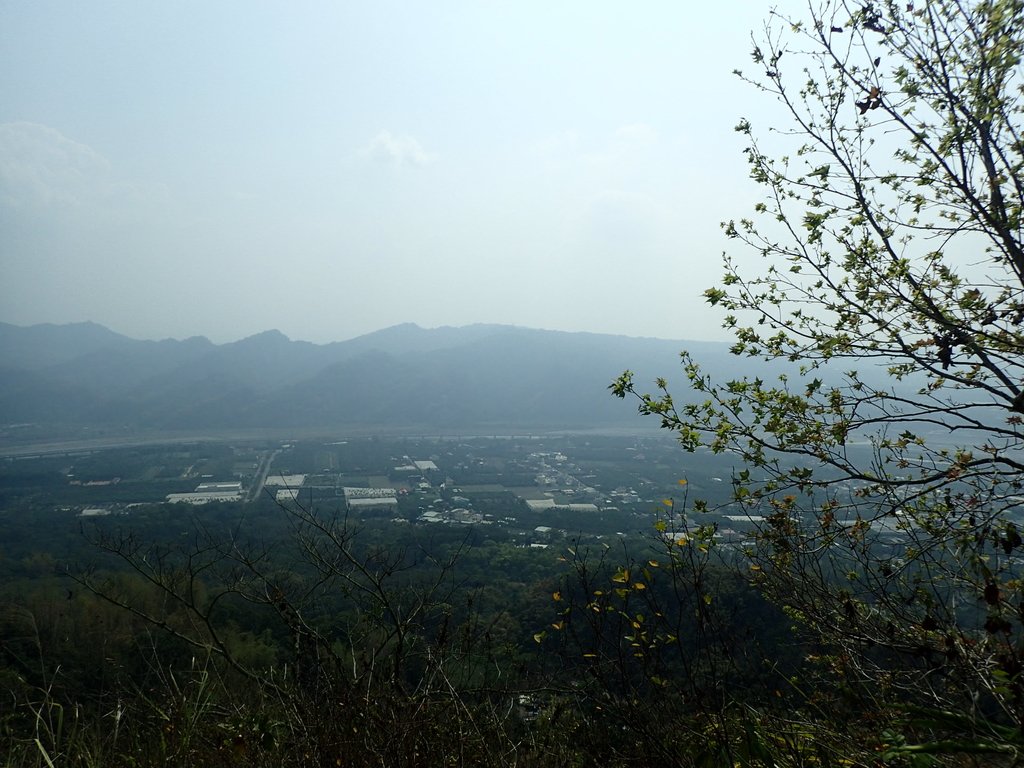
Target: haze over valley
pixel 83 380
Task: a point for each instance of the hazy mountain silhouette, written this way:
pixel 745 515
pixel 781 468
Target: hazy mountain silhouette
pixel 39 346
pixel 485 377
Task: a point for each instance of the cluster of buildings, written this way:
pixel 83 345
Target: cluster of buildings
pixel 376 499
pixel 207 492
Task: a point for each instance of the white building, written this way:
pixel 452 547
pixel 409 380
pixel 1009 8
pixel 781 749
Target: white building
pixel 285 481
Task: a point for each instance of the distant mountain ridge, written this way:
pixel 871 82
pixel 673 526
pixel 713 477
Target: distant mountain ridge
pixel 484 377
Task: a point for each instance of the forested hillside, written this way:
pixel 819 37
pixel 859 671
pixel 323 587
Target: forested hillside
pixel 473 378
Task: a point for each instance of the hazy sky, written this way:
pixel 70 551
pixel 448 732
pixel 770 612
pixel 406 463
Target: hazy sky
pixel 331 168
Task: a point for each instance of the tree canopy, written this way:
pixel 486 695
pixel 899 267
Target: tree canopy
pixel 884 263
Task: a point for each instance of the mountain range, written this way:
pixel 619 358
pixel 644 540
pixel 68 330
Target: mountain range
pixel 473 378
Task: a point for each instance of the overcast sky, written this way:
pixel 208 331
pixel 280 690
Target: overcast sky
pixel 330 168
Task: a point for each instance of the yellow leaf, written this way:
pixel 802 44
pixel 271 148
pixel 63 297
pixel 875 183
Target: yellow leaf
pixel 654 564
pixel 559 625
pixel 556 596
pixel 639 585
pixel 538 637
pixel 667 502
pixel 660 526
pixel 683 481
pixel 682 541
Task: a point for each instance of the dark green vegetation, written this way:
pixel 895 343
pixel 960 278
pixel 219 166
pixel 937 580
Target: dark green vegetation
pixel 280 633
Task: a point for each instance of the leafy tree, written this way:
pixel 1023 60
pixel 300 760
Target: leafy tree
pixel 663 646
pixel 883 268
